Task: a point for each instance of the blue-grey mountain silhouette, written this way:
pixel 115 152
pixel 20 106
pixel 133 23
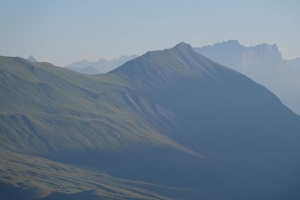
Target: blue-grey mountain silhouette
pixel 262 63
pixel 295 63
pixel 101 66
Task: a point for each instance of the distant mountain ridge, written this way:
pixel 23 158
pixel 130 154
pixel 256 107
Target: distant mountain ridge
pixel 89 70
pixel 295 63
pixel 100 66
pixel 263 63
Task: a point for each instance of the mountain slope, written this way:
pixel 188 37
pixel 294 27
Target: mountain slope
pixel 171 118
pixel 262 63
pixel 42 96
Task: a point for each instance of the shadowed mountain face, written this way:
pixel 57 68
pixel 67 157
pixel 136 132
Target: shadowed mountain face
pixel 171 118
pixel 262 63
pixel 101 66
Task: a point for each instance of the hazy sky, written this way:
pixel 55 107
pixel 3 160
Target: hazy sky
pixel 64 31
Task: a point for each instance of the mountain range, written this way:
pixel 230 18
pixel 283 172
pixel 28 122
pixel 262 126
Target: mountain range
pixel 170 124
pixel 100 66
pixel 263 64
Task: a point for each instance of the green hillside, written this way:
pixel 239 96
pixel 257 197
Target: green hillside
pixel 48 110
pixel 169 124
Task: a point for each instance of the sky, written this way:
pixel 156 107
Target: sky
pixel 62 32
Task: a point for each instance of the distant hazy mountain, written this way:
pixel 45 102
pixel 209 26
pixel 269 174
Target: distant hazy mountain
pixel 170 124
pixel 295 63
pixel 262 63
pixel 89 70
pixel 31 59
pixel 101 66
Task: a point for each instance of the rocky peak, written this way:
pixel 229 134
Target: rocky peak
pixel 184 45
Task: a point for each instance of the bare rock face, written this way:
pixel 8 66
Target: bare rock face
pixel 262 63
pixel 262 55
pixel 240 58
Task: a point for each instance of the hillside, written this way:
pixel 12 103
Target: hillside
pixel 262 63
pixel 168 119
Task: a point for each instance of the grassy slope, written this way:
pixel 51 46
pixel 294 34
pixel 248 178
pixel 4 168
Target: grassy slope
pixel 39 102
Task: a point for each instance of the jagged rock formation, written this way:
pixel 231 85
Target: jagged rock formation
pixel 262 63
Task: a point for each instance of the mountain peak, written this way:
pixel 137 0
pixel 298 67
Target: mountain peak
pixel 31 59
pixel 160 67
pixel 184 45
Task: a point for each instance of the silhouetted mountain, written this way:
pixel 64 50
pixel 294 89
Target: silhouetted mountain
pixel 102 66
pixel 31 59
pixel 89 70
pixel 295 63
pixel 262 63
pixel 170 124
